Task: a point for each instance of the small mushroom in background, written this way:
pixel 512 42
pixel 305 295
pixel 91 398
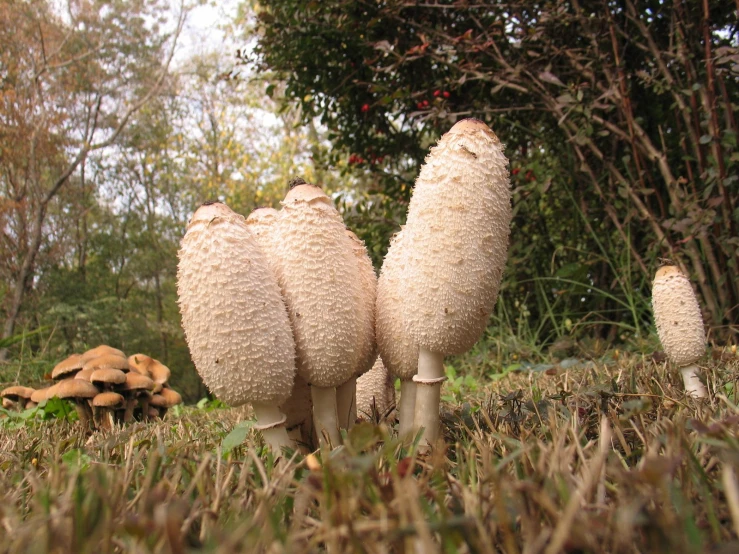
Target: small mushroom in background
pixel 454 248
pixel 169 398
pixel 140 363
pixel 104 406
pixel 346 394
pixel 68 367
pixel 158 372
pixel 234 319
pixel 398 350
pixel 79 392
pixel 375 392
pixel 679 322
pixel 8 404
pixel 321 286
pixel 20 396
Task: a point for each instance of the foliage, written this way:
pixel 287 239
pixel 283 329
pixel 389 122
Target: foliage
pixel 618 118
pixel 606 458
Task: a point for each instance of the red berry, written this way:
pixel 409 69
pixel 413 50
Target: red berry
pixel 425 103
pixel 446 94
pixel 419 105
pixel 365 107
pixel 515 171
pixel 437 93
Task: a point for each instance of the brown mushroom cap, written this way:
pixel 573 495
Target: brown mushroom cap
pixel 8 404
pixel 171 396
pixel 17 392
pixel 227 292
pixel 74 388
pixel 157 388
pixel 68 367
pixel 107 400
pixel 677 316
pixel 102 350
pixel 456 239
pixel 107 361
pixel 159 372
pixel 85 374
pixel 102 377
pixel 140 363
pixel 136 381
pixel 39 395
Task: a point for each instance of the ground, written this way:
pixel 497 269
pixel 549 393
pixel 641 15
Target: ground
pixel 603 456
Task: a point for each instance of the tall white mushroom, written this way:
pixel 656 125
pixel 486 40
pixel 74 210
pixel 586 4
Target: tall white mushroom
pixel 346 394
pixel 298 408
pixel 398 350
pixel 321 286
pixel 455 247
pixel 679 322
pixel 375 390
pixel 234 319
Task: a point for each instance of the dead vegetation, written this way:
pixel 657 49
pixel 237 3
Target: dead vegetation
pixel 598 459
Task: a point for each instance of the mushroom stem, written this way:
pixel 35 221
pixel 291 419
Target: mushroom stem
pixel 144 404
pixel 84 412
pixel 131 403
pixel 428 395
pixel 406 408
pixel 346 403
pixel 693 385
pixel 271 422
pixel 325 415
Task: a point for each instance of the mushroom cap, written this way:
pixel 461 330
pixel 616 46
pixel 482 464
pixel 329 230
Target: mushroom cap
pixel 17 392
pixel 107 361
pixel 108 400
pixel 8 404
pixel 136 381
pixel 39 395
pixel 677 316
pixel 157 388
pixel 102 350
pixel 375 387
pixel 84 374
pixel 171 396
pixel 366 342
pixel 68 367
pixel 50 392
pixel 398 350
pixel 234 318
pixel 107 377
pixel 140 363
pixel 320 283
pixel 159 372
pixel 74 388
pixel 456 239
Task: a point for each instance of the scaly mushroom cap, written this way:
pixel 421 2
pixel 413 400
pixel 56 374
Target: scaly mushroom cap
pixel 262 223
pixel 396 346
pixel 107 400
pixel 366 343
pixel 234 318
pixel 102 377
pixel 320 283
pixel 68 367
pixel 297 408
pixel 375 387
pixel 17 392
pixel 456 239
pixel 108 361
pixel 74 388
pixel 102 350
pixel 677 317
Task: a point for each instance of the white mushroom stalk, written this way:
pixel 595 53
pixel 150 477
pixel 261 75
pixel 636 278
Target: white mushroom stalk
pixel 234 318
pixel 679 322
pixel 398 350
pixel 455 248
pixel 346 394
pixel 321 286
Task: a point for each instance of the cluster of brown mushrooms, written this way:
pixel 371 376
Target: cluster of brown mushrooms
pixel 105 386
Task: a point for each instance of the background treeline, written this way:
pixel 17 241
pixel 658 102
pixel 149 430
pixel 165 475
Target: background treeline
pixel 619 120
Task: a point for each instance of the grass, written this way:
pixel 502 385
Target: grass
pixel 606 456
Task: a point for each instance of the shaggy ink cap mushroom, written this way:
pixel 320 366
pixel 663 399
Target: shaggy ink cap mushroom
pixel 235 321
pixel 679 323
pixel 397 349
pixel 68 367
pixel 320 284
pixel 456 235
pixel 346 394
pixel 375 391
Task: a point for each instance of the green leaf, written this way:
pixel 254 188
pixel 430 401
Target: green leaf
pixel 236 437
pixel 76 458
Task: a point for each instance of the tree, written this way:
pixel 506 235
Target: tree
pixel 73 75
pixel 621 114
